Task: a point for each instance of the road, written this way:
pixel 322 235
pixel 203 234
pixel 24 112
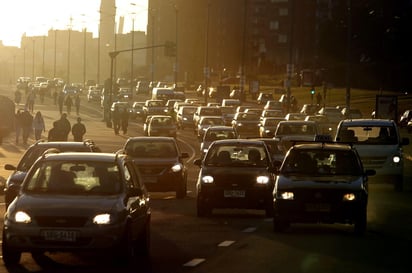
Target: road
pixel 234 240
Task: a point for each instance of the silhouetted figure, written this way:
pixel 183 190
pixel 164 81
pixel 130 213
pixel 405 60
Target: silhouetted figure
pixel 116 120
pixel 124 115
pixel 69 103
pixel 64 127
pixel 78 130
pixel 18 124
pixel 26 122
pixel 38 125
pixel 60 100
pixel 77 103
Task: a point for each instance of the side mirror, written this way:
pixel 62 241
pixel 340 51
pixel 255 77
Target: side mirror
pixel 10 167
pixel 197 162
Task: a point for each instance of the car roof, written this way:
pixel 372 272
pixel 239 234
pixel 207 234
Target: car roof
pixel 368 122
pixel 84 156
pixel 55 144
pixel 150 138
pixel 322 146
pixel 239 141
pixel 220 128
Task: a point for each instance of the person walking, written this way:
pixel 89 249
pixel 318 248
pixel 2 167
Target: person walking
pixel 63 127
pixel 17 96
pixel 54 133
pixel 69 103
pixel 30 101
pixel 60 100
pixel 38 125
pixel 27 124
pixel 18 125
pixel 78 130
pixel 124 115
pixel 77 103
pixel 116 120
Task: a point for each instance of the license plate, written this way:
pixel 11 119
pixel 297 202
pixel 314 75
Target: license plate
pixel 318 207
pixel 59 235
pixel 234 193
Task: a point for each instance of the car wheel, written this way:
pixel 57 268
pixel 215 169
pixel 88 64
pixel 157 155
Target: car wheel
pixel 142 244
pixel 181 192
pixel 203 209
pixel 361 222
pixel 280 224
pixel 10 256
pixel 125 252
pixel 398 183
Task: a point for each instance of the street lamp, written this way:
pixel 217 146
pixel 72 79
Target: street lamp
pixel 68 51
pixel 176 67
pixel 206 68
pixel 32 70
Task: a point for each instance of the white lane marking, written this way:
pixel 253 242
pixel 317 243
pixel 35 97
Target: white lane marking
pixel 226 243
pixel 249 229
pixel 194 262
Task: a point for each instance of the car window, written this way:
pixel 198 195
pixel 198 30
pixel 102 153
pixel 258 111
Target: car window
pixel 237 155
pixel 376 135
pixel 151 149
pixel 321 162
pixel 74 178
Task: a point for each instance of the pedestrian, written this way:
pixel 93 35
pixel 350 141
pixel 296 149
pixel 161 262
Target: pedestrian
pixel 78 130
pixel 54 133
pixel 30 101
pixel 77 103
pixel 55 96
pixel 38 125
pixel 69 103
pixel 63 127
pixel 17 96
pixel 27 124
pixel 318 99
pixel 116 120
pixel 18 125
pixel 61 102
pixel 124 115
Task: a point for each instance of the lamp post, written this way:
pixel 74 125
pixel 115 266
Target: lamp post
pixel 55 53
pixel 206 68
pixel 68 51
pixel 176 66
pixel 131 66
pixel 32 68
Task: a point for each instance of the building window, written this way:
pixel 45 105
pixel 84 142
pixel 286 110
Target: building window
pixel 282 38
pixel 283 12
pixel 274 25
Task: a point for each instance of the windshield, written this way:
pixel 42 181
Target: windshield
pixel 74 178
pixel 237 155
pixel 369 135
pixel 151 149
pixel 321 162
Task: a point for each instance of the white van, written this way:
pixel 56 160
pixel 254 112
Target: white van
pixel 161 93
pixel 379 145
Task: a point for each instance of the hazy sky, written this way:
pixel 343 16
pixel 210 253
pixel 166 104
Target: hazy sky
pixel 36 17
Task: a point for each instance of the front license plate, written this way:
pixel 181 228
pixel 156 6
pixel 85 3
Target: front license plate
pixel 234 193
pixel 59 235
pixel 318 207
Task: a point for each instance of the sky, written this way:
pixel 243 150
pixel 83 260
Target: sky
pixel 36 17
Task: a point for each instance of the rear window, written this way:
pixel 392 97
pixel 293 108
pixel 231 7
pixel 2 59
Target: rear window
pixel 367 135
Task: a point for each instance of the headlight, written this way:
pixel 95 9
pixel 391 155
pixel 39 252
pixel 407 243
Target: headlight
pixel 102 219
pixel 185 119
pixel 204 150
pixel 262 180
pixel 239 124
pixel 177 168
pixel 349 197
pixel 287 195
pixel 207 179
pixel 396 159
pixel 22 217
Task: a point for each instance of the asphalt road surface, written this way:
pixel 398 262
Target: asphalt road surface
pixel 233 240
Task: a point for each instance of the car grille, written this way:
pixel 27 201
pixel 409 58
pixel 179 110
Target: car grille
pixel 61 221
pixel 319 195
pixel 234 180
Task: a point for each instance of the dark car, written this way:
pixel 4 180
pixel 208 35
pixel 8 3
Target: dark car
pixel 184 116
pixel 264 97
pixel 246 124
pixel 71 202
pixel 161 125
pixel 214 133
pixel 160 162
pixel 31 154
pixel 235 173
pixel 321 183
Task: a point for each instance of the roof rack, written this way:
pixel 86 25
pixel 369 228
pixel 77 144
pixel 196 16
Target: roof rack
pixel 50 151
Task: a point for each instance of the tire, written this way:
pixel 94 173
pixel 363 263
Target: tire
pixel 181 192
pixel 10 256
pixel 203 209
pixel 360 223
pixel 142 244
pixel 398 183
pixel 280 224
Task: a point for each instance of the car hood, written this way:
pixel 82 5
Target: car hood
pixel 78 204
pixel 324 182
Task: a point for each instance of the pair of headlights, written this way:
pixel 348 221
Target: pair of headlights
pixel 100 219
pixel 288 195
pixel 261 179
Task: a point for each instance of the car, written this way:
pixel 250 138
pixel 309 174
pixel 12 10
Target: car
pixel 136 111
pixel 379 145
pixel 124 94
pixel 228 112
pixel 142 87
pixel 34 151
pixel 235 173
pixel 205 122
pixel 161 125
pixel 205 111
pixel 405 118
pixel 69 89
pixel 295 116
pixel 160 162
pixel 351 113
pixel 309 109
pixel 230 103
pixel 325 127
pixel 264 97
pixel 321 182
pixel 334 114
pixel 154 107
pixel 276 148
pixel 184 116
pixel 273 105
pixel 71 202
pixel 93 94
pixel 216 133
pixel 267 126
pixel 246 124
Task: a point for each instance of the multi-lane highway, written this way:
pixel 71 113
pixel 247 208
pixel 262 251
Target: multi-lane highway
pixel 233 240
